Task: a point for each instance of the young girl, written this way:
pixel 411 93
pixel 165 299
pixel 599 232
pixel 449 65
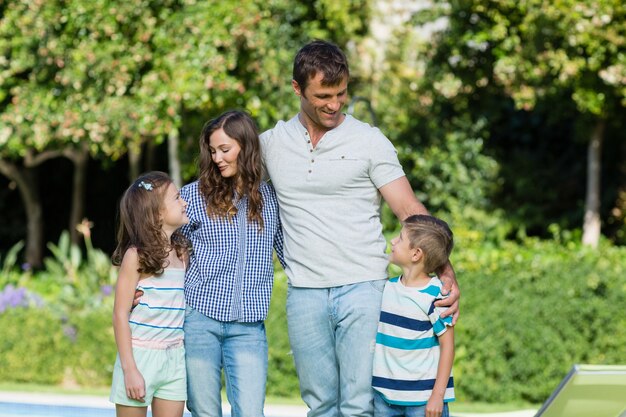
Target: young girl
pixel 152 255
pixel 233 227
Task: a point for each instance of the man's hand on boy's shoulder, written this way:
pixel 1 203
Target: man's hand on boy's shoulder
pixel 451 290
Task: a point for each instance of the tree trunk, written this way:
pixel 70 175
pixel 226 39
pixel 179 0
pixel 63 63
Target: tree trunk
pixel 134 162
pixel 174 160
pixel 150 154
pixel 80 158
pixel 26 180
pixel 591 225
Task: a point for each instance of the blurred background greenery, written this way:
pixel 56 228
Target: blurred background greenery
pixel 508 118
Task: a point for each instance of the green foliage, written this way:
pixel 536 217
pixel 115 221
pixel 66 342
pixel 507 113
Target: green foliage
pixel 282 380
pixel 92 349
pixel 441 145
pixel 70 333
pixel 531 311
pixel 452 172
pixel 72 282
pixel 33 347
pixel 113 74
pixel 9 274
pixel 506 93
pixel 39 346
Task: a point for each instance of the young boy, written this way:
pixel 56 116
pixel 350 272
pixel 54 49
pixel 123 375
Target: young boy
pixel 414 346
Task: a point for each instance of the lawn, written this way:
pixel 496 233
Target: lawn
pixel 459 407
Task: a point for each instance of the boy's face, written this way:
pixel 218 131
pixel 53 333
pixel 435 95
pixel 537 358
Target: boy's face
pixel 401 252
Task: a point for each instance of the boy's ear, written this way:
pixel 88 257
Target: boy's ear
pixel 417 255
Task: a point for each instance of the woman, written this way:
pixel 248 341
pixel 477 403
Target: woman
pixel 234 225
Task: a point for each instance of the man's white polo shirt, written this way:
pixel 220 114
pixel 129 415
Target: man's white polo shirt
pixel 329 200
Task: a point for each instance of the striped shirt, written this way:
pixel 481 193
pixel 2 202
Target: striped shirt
pixel 157 321
pixel 231 269
pixel 407 348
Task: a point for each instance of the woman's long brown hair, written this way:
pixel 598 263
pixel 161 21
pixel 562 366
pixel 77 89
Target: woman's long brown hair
pixel 218 192
pixel 140 225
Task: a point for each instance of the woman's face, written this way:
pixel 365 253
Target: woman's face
pixel 224 152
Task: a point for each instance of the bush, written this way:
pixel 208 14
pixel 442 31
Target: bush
pixel 76 305
pixel 530 312
pixel 10 274
pixel 33 347
pixel 93 346
pixel 282 380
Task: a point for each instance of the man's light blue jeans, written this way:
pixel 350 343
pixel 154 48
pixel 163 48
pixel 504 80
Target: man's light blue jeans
pixel 240 349
pixel 332 332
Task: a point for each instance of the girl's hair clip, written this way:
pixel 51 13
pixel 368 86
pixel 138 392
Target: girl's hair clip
pixel 145 185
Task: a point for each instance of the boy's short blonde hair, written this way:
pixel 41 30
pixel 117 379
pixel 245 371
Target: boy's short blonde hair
pixel 433 236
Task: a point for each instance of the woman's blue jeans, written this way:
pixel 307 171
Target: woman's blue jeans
pixel 238 348
pixel 332 332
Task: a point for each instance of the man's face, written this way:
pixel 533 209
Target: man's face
pixel 321 105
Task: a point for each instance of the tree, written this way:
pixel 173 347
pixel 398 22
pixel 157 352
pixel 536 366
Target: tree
pixel 426 115
pixel 67 74
pixel 100 79
pixel 538 50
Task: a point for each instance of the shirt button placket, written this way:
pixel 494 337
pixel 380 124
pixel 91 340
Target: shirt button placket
pixel 237 308
pixel 312 151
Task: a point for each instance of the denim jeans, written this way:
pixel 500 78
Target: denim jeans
pixel 383 409
pixel 332 332
pixel 238 348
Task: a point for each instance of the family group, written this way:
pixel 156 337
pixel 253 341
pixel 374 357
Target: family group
pixel 196 269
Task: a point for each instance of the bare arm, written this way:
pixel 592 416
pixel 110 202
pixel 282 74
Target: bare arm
pixel 434 407
pixel 124 292
pixel 401 199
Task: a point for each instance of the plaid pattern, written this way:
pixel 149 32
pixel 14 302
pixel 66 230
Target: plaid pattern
pixel 231 270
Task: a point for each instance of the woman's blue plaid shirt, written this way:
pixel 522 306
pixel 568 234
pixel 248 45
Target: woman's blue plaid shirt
pixel 231 270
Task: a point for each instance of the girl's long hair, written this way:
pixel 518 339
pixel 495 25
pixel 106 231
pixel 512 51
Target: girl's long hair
pixel 217 191
pixel 140 225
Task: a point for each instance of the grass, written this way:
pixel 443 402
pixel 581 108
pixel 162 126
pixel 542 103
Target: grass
pixel 459 407
pixel 52 389
pixel 104 392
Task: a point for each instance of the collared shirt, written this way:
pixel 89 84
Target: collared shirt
pixel 329 200
pixel 231 269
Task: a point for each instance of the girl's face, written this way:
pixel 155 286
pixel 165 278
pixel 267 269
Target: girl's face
pixel 224 152
pixel 173 210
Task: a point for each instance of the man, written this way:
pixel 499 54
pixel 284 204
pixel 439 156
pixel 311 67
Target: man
pixel 329 171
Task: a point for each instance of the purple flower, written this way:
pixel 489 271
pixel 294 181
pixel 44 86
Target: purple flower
pixel 25 266
pixel 106 290
pixel 70 332
pixel 10 297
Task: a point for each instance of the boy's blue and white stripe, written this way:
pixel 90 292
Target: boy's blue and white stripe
pixel 407 348
pixel 231 269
